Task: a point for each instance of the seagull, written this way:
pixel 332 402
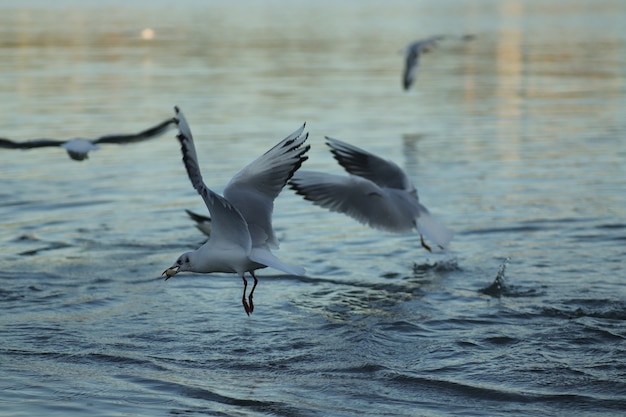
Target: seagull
pixel 203 223
pixel 78 148
pixel 241 226
pixel 412 54
pixel 377 193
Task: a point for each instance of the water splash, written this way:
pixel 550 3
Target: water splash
pixel 446 265
pixel 497 287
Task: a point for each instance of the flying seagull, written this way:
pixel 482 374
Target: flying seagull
pixel 412 55
pixel 377 193
pixel 78 148
pixel 241 226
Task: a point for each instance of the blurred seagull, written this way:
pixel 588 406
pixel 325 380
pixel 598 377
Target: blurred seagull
pixel 241 226
pixel 412 54
pixel 79 148
pixel 377 193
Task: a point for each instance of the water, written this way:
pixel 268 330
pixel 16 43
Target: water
pixel 515 140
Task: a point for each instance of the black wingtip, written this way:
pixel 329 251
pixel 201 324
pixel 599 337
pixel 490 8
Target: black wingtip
pixel 197 217
pixel 176 119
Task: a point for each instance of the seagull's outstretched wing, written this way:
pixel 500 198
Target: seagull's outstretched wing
pixel 410 66
pixel 29 144
pixel 357 197
pixel 253 189
pixel 149 133
pixel 228 225
pixel 359 162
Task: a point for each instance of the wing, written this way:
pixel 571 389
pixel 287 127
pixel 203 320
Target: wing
pixel 203 223
pixel 385 209
pixel 35 143
pixel 227 224
pixel 150 133
pixel 198 218
pixel 361 163
pixel 412 55
pixel 255 187
pixel 410 65
pixel 359 198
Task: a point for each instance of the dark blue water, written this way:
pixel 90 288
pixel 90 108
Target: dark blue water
pixel 516 140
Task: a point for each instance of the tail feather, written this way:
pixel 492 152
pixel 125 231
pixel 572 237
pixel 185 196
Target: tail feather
pixel 265 257
pixel 433 230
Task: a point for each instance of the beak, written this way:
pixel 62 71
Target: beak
pixel 171 271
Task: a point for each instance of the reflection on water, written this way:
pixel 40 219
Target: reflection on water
pixel 514 139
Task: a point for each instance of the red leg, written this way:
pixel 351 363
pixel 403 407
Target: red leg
pixel 424 244
pixel 243 298
pixel 256 281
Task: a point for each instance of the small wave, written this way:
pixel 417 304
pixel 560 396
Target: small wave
pixel 499 393
pixel 507 229
pixel 50 246
pixel 611 226
pixel 535 225
pixel 33 239
pixel 599 308
pixel 9 295
pixel 27 237
pixel 210 395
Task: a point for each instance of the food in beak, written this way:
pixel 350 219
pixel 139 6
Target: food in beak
pixel 170 272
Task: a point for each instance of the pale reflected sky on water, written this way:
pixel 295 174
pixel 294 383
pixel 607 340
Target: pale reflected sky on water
pixel 537 71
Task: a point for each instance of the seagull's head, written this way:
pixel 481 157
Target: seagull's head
pixel 182 264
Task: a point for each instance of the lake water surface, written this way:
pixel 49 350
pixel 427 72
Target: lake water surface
pixel 515 139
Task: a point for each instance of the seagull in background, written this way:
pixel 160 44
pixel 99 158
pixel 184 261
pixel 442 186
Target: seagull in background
pixel 377 193
pixel 241 221
pixel 412 55
pixel 414 50
pixel 78 148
